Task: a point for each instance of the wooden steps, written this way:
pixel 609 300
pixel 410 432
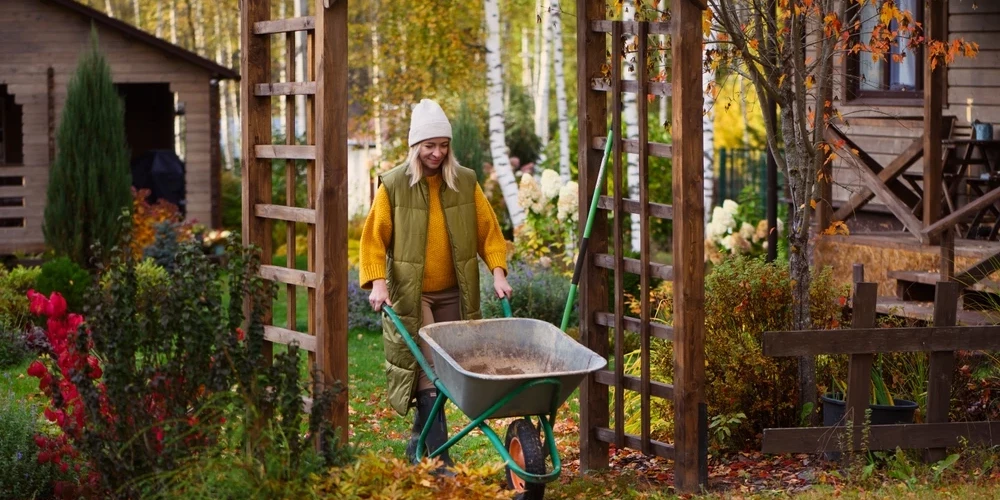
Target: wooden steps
pixel 924 311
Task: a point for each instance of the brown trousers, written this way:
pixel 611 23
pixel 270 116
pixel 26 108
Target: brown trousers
pixel 437 307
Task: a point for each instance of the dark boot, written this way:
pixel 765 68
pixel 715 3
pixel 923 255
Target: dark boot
pixel 438 433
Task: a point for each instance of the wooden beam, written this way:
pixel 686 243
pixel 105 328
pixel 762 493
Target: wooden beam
pixel 942 363
pixel 880 437
pixel 307 23
pixel 285 152
pixel 592 113
pixel 871 340
pixel 905 160
pixel 289 276
pixel 285 336
pixel 634 266
pixel 331 204
pixel 979 271
pixel 963 213
pixel 902 212
pixel 658 210
pixel 658 330
pixel 661 89
pixel 859 372
pixel 632 27
pixel 281 212
pixel 657 149
pixel 645 385
pixel 658 389
pixel 619 258
pixel 935 28
pixel 285 88
pixel 689 249
pixel 659 448
pixel 255 117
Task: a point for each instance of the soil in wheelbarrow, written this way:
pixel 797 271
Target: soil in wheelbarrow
pixel 504 363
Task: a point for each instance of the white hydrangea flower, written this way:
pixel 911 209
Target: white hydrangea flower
pixel 724 218
pixel 747 231
pixel 714 230
pixel 780 226
pixel 551 183
pixel 569 203
pixel 730 206
pixel 727 242
pixel 528 194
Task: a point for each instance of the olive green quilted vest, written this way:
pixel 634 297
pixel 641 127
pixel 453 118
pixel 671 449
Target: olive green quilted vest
pixel 405 267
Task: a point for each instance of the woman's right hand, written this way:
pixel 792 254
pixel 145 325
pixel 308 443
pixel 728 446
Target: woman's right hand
pixel 379 295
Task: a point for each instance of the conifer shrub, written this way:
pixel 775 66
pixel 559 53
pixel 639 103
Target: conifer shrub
pixel 89 182
pixel 66 277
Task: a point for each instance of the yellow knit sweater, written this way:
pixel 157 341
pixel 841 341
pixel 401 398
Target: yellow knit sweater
pixel 439 269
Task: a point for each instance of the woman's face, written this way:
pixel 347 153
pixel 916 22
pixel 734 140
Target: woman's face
pixel 433 152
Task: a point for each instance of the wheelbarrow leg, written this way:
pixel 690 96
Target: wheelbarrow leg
pixel 437 435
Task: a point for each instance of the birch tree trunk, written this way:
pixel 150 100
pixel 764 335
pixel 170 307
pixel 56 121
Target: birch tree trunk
pixel 135 14
pixel 282 70
pixel 159 20
pixel 108 9
pixel 708 136
pixel 536 51
pixel 300 8
pixel 631 118
pixel 494 96
pixel 232 92
pixel 173 22
pixel 560 77
pixel 220 57
pixel 542 94
pixel 526 76
pixel 376 101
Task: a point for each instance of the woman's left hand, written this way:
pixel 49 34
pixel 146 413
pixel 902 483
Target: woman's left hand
pixel 500 284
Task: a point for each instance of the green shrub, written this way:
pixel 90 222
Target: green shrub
pixel 66 277
pixel 165 246
pixel 89 182
pixel 14 284
pixel 743 299
pixel 21 476
pixel 539 293
pixel 232 195
pixel 13 346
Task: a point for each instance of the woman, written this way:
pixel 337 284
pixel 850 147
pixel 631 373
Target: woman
pixel 419 247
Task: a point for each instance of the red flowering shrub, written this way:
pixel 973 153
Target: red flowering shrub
pixel 66 369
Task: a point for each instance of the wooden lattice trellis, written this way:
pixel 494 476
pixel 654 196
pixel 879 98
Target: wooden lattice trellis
pixel 325 152
pixel 689 446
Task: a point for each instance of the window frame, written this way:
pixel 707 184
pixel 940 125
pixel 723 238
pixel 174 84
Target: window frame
pixel 853 71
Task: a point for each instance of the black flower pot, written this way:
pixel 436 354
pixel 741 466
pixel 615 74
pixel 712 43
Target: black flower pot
pixel 834 407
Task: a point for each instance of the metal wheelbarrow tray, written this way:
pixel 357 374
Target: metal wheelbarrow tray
pixel 481 361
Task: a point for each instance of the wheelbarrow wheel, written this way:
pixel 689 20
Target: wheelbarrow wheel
pixel 525 447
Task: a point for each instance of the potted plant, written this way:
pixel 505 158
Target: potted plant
pixel 885 408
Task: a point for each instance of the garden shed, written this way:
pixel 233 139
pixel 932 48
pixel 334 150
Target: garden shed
pixel 170 95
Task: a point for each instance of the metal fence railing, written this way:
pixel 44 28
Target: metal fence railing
pixel 738 168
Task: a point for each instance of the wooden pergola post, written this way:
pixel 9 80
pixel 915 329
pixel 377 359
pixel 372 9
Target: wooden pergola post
pixel 935 19
pixel 689 249
pixel 593 119
pixel 325 153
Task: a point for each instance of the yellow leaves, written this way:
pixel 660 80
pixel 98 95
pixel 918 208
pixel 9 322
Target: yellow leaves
pixel 810 81
pixel 837 228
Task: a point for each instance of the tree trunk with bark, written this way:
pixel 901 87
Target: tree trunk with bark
pixel 494 96
pixel 561 104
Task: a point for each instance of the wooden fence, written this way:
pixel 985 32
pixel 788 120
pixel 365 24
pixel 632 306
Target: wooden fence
pixel 862 341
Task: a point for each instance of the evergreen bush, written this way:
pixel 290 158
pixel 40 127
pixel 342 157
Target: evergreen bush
pixel 90 182
pixel 66 277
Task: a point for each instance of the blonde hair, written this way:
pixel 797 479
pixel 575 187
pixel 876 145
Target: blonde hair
pixel 415 168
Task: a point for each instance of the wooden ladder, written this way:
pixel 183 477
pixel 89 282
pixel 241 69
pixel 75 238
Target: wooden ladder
pixel 325 154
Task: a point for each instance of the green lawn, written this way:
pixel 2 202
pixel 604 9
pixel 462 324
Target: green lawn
pixel 15 379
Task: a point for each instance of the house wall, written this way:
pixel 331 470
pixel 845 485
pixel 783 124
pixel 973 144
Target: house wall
pixel 36 36
pixel 973 92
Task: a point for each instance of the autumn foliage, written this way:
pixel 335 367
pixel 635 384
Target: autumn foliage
pixel 147 216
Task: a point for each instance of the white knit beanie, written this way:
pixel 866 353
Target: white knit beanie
pixel 428 121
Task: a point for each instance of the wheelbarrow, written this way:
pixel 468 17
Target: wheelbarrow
pixel 498 368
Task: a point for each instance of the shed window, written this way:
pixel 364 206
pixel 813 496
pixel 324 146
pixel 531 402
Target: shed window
pixel 11 137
